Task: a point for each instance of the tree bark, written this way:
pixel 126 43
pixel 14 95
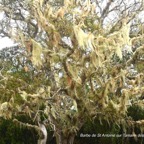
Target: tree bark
pixel 61 139
pixel 43 138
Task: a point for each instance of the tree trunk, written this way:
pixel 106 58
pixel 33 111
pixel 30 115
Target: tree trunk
pixel 43 138
pixel 61 139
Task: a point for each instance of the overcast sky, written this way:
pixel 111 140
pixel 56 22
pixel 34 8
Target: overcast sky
pixel 5 42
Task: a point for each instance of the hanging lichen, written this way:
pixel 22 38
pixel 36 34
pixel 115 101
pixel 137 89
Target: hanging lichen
pixel 121 39
pixel 36 53
pixel 85 40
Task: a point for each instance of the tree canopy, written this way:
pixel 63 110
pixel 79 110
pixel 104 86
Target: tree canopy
pixel 75 60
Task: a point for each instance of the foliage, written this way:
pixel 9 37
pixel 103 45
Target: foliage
pixel 75 63
pixel 12 134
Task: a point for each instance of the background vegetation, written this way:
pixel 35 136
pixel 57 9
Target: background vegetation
pixel 78 64
pixel 13 134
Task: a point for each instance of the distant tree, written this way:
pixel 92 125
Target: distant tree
pixel 82 59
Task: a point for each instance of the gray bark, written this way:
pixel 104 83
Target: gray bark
pixel 61 139
pixel 43 139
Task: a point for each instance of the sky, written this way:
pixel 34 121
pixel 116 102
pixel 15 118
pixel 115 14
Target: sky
pixel 5 42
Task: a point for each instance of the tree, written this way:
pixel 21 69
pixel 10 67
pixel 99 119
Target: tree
pixel 82 60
